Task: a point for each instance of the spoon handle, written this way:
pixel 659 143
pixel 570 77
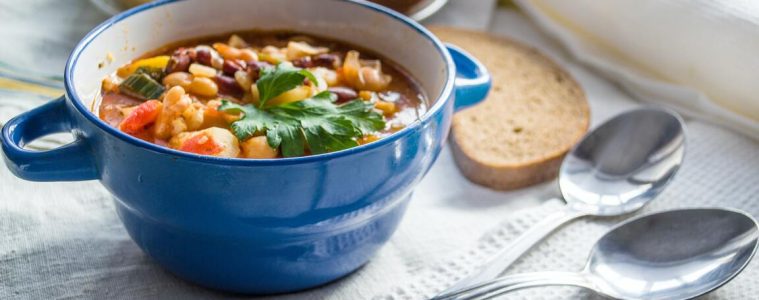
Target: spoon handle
pixel 501 260
pixel 506 284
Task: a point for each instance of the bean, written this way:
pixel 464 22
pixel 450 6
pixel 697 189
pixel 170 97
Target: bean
pixel 192 53
pixel 303 62
pixel 217 62
pixel 179 61
pixel 182 79
pixel 203 86
pixel 255 67
pixel 327 60
pixel 243 79
pixel 344 94
pixel 202 71
pixel 228 86
pixel 175 101
pixel 232 66
pixel 203 56
pixel 194 116
pixel 226 51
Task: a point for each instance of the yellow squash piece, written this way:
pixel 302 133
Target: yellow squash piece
pixel 158 62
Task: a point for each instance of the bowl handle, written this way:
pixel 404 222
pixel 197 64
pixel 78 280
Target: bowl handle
pixel 473 80
pixel 71 162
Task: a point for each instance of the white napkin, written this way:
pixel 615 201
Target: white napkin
pixel 698 56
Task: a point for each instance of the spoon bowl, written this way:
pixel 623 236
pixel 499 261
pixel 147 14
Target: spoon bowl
pixel 624 163
pixel 673 255
pixel 678 254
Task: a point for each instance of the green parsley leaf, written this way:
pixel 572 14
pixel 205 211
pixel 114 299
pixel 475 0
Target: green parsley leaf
pixel 289 137
pixel 254 120
pixel 275 81
pixel 316 123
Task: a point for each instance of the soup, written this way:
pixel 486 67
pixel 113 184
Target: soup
pixel 260 95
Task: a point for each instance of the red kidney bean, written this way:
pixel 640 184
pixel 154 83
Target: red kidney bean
pixel 326 60
pixel 344 94
pixel 179 62
pixel 303 62
pixel 254 69
pixel 203 56
pixel 228 86
pixel 230 67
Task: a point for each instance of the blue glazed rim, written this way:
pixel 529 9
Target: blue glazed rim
pixel 438 104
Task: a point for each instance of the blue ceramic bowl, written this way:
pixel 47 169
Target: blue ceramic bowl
pixel 250 226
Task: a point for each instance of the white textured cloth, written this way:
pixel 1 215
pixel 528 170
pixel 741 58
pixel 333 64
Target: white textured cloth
pixel 704 181
pixel 64 240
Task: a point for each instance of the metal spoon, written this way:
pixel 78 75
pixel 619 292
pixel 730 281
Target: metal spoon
pixel 616 169
pixel 678 254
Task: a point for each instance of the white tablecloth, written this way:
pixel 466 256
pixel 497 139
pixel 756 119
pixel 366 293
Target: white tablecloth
pixel 64 240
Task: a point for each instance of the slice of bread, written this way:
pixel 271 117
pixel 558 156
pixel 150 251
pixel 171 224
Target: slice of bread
pixel 533 115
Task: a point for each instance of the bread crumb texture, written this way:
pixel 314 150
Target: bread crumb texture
pixel 534 114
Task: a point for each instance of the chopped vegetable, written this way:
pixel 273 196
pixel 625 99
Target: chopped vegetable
pixel 201 144
pixel 364 74
pixel 211 141
pixel 155 73
pixel 317 123
pixel 275 81
pixel 158 62
pixel 142 86
pixel 141 116
pixel 258 147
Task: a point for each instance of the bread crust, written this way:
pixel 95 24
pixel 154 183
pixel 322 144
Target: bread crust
pixel 520 74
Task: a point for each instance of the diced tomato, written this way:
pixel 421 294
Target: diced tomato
pixel 201 144
pixel 142 116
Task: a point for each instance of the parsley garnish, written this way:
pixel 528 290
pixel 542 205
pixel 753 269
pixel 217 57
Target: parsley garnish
pixel 317 123
pixel 275 81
